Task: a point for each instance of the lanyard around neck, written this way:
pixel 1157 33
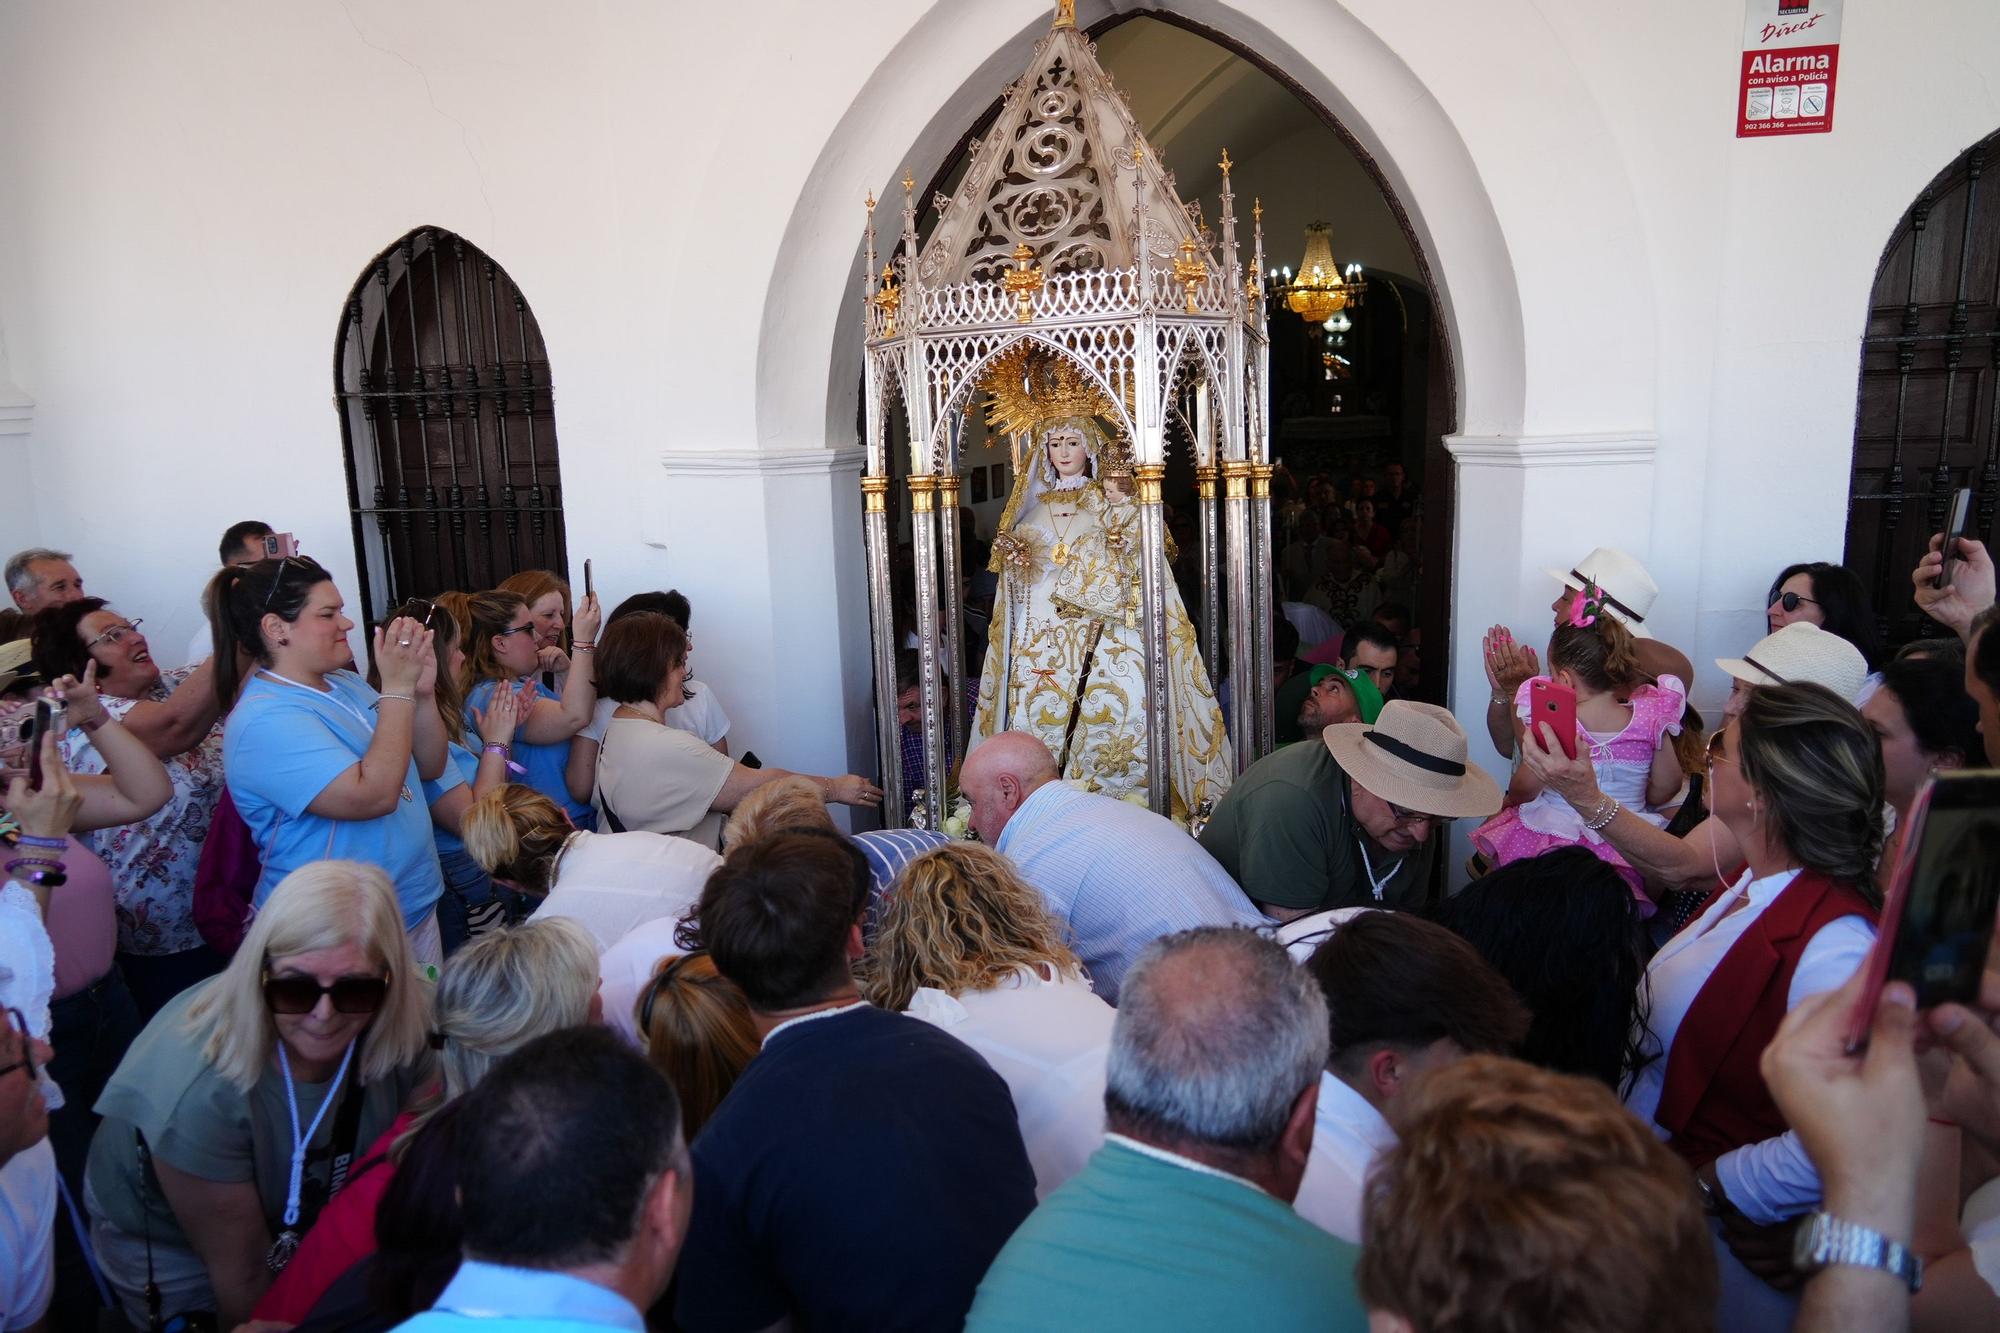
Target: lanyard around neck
pixel 300 1141
pixel 329 694
pixel 1381 884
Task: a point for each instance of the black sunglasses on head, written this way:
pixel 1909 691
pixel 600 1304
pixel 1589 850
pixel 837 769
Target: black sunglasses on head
pixel 301 994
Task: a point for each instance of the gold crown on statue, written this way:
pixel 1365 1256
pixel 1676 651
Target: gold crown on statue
pixel 1031 388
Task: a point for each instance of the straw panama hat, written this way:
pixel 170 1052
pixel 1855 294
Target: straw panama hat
pixel 1628 588
pixel 1415 756
pixel 1802 654
pixel 14 660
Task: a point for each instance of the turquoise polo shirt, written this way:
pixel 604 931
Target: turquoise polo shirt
pixel 1143 1241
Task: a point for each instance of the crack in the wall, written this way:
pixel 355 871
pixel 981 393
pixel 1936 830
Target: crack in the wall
pixel 464 132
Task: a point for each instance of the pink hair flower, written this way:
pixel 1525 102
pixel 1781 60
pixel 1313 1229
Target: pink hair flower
pixel 1583 609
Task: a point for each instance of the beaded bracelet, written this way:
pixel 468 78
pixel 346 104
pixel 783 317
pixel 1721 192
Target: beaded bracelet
pixel 53 844
pixel 49 876
pixel 584 646
pixel 506 754
pixel 1601 817
pixel 408 699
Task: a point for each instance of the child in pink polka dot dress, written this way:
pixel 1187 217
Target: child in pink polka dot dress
pixel 1623 722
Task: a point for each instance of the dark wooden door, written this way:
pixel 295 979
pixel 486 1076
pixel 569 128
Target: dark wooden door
pixel 1929 415
pixel 448 416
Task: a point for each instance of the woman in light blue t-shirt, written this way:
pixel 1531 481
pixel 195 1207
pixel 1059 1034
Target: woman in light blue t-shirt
pixel 319 765
pixel 481 759
pixel 501 646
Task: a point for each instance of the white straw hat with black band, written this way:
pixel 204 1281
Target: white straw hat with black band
pixel 1415 756
pixel 1629 591
pixel 1802 654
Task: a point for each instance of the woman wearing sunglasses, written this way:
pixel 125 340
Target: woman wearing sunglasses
pixel 501 991
pixel 502 647
pixel 225 1120
pixel 1797 779
pixel 319 765
pixel 153 861
pixel 1830 596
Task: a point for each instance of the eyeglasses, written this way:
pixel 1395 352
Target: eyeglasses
pixel 1791 601
pixel 27 1060
pixel 1403 816
pixel 1714 752
pixel 301 994
pixel 116 634
pixel 528 628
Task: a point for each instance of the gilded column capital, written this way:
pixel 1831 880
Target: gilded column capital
pixel 1149 477
pixel 875 494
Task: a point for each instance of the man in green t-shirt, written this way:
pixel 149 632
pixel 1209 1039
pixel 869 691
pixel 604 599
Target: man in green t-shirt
pixel 1184 1219
pixel 1349 822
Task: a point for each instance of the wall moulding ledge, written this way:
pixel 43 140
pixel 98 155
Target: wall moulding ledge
pixel 762 462
pixel 1627 449
pixel 16 418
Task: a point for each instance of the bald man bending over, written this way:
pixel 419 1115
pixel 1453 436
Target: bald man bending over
pixel 1117 874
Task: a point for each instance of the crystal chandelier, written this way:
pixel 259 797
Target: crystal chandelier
pixel 1321 289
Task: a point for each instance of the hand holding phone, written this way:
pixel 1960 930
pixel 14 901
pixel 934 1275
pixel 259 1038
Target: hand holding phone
pixel 1556 705
pixel 1937 922
pixel 1961 518
pixel 280 546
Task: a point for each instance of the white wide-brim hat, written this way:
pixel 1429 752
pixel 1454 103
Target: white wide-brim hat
pixel 1802 654
pixel 1628 589
pixel 1415 756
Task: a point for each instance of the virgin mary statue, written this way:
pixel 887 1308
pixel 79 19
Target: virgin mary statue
pixel 1066 659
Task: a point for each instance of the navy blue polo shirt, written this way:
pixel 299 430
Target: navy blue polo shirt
pixel 862 1174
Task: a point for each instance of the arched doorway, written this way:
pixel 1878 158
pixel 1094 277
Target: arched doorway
pixel 447 417
pixel 1352 404
pixel 1928 419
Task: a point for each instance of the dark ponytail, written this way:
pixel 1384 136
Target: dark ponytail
pixel 238 598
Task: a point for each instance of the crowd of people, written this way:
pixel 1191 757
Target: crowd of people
pixel 489 989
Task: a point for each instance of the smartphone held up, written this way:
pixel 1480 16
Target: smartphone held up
pixel 1961 520
pixel 1937 919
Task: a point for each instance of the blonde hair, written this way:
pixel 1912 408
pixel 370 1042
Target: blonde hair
pixel 697 1029
pixel 515 832
pixel 780 805
pixel 960 919
pixel 502 991
pixel 324 905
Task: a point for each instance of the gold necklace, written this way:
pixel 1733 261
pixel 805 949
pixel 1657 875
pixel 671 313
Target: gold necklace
pixel 1061 552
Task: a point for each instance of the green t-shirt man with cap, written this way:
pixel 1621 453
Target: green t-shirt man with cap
pixel 1354 820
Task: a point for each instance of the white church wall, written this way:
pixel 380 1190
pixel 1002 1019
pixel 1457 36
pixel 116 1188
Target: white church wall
pixel 188 191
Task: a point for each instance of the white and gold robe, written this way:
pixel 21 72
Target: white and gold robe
pixel 1053 619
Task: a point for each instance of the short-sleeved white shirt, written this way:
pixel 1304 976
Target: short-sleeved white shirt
pixel 609 883
pixel 1049 1040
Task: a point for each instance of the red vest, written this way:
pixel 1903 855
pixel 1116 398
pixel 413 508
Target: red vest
pixel 1714 1098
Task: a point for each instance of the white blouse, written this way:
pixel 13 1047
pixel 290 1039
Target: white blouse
pixel 1774 1179
pixel 1049 1040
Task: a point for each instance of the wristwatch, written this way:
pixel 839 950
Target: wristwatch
pixel 1826 1239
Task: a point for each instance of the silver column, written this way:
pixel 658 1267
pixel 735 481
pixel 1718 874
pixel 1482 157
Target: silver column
pixel 1205 478
pixel 956 722
pixel 1244 691
pixel 882 622
pixel 1153 613
pixel 923 534
pixel 1260 606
